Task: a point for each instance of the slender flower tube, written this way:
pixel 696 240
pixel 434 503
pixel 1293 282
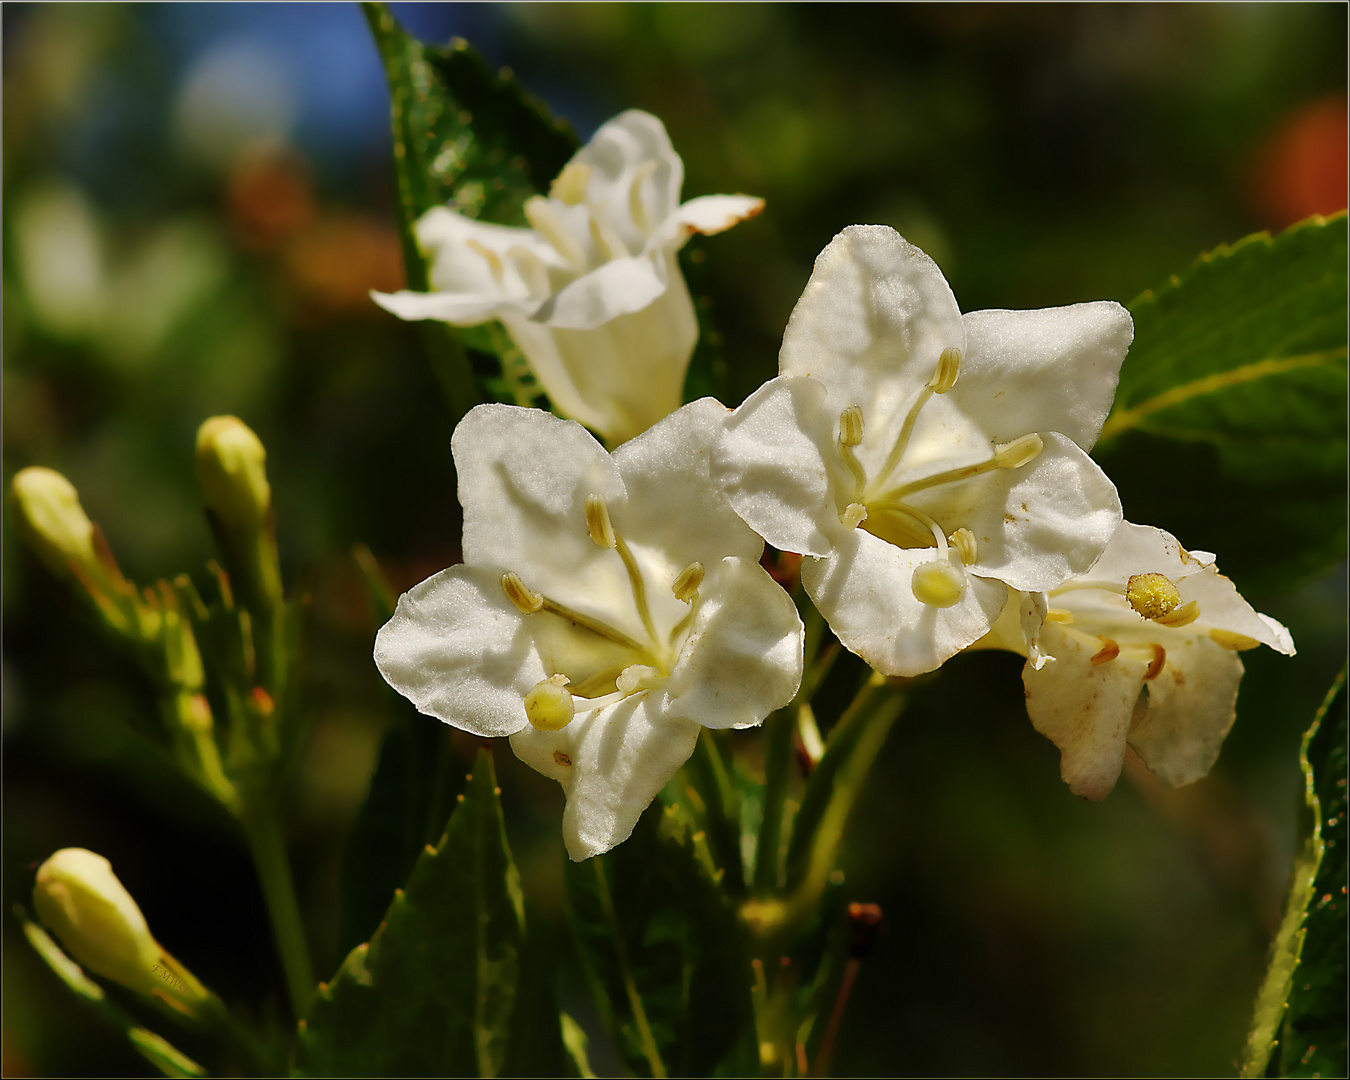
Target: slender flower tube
pixel 592 292
pixel 923 459
pixel 1140 651
pixel 608 606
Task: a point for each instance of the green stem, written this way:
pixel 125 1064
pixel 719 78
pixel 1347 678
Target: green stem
pixel 268 848
pixel 710 778
pixel 779 731
pixel 649 1050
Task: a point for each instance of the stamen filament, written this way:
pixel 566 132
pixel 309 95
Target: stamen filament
pixel 595 626
pixel 544 220
pixel 902 440
pixel 494 260
pixel 639 586
pixel 636 207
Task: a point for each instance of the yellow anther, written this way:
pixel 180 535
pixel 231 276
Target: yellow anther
pixel 520 595
pixel 1108 652
pixel 1153 596
pixel 948 370
pixel 571 184
pixel 1155 665
pixel 545 219
pixel 939 584
pixel 854 515
pixel 1019 452
pixel 686 585
pixel 1182 616
pixel 1230 640
pixel 598 523
pixel 851 426
pixel 963 540
pixel 549 705
pixel 1059 615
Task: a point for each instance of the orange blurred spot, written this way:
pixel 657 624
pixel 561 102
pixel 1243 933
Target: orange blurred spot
pixel 334 263
pixel 269 198
pixel 1301 170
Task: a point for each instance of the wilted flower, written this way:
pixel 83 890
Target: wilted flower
pixel 922 458
pixel 592 292
pixel 607 607
pixel 1140 651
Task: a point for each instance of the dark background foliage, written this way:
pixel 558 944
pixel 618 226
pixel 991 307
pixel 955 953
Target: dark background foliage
pixel 197 199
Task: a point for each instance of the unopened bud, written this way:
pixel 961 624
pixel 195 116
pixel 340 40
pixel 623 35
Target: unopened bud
pixel 78 898
pixel 230 471
pixel 48 511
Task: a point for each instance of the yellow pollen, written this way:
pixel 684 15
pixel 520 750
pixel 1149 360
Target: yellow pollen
pixel 571 184
pixel 851 426
pixel 948 370
pixel 1019 452
pixel 938 584
pixel 687 583
pixel 964 542
pixel 1152 595
pixel 549 705
pixel 598 523
pixel 1230 640
pixel 520 595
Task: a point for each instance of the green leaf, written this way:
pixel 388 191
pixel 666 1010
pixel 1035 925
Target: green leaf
pixel 1232 398
pixel 1302 1000
pixel 156 1050
pixel 664 951
pixel 1314 1039
pixel 433 992
pixel 473 139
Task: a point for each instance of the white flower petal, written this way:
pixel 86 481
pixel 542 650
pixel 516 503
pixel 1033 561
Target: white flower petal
pixel 622 377
pixel 524 476
pixel 1054 369
pixel 633 149
pixel 619 759
pixel 1191 705
pixel 872 323
pixel 470 256
pixel 769 462
pixel 619 287
pixel 458 649
pixel 457 309
pixel 666 467
pixel 1084 708
pixel 743 657
pixel 865 591
pixel 709 215
pixel 1036 526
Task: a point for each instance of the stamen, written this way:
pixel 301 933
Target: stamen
pixel 494 260
pixel 851 426
pixel 1229 640
pixel 544 219
pixel 964 542
pixel 635 676
pixel 525 600
pixel 854 515
pixel 687 583
pixel 549 705
pixel 1109 651
pixel 1183 616
pixel 948 371
pixel 1059 615
pixel 636 207
pixel 1156 665
pixel 639 586
pixel 1152 595
pixel 609 246
pixel 598 523
pixel 938 583
pixel 571 184
pixel 1019 452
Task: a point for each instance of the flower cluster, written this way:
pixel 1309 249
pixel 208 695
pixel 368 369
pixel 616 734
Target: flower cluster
pixel 931 466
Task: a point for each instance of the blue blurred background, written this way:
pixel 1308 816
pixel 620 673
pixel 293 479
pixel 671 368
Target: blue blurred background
pixel 197 200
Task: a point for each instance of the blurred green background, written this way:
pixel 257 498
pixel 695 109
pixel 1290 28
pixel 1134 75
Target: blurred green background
pixel 197 199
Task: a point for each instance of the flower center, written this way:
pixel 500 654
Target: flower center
pixel 1152 596
pixel 553 703
pixel 888 513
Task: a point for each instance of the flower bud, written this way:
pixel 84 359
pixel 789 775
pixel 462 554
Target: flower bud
pixel 48 511
pixel 78 898
pixel 230 471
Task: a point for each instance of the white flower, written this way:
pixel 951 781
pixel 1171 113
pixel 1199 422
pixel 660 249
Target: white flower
pixel 592 294
pixel 897 426
pixel 1140 650
pixel 607 607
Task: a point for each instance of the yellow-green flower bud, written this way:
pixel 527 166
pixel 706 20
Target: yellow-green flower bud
pixel 48 512
pixel 78 898
pixel 230 471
